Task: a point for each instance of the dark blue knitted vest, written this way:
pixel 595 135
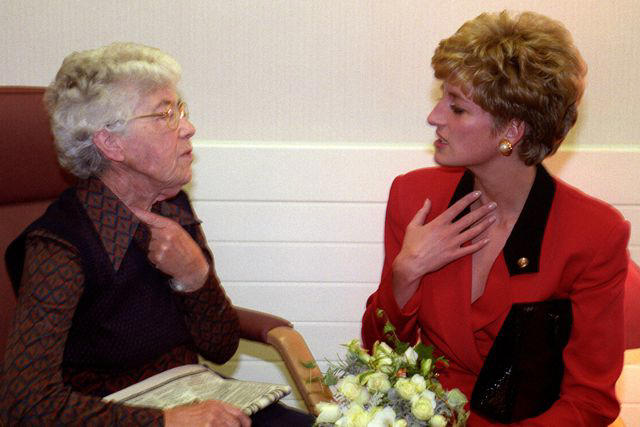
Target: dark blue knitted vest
pixel 124 318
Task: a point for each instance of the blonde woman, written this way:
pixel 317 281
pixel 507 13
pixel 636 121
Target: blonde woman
pixel 490 230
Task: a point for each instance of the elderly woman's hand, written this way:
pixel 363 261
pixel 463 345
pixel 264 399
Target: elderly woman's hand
pixel 211 413
pixel 173 251
pixel 429 247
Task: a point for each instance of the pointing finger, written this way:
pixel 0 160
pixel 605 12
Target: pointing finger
pixel 149 218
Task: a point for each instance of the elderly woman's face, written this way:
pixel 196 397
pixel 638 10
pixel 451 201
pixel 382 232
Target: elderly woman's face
pixel 155 153
pixel 464 130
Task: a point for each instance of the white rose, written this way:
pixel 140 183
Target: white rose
pixel 428 394
pixel 384 364
pixel 406 389
pixel 355 348
pixel 349 387
pixel 378 382
pixel 382 417
pixel 363 396
pixel 381 349
pixel 342 422
pixel 350 390
pixel 437 421
pixel 356 416
pixel 421 408
pixel 420 383
pixel 328 412
pixel 400 423
pixel 411 356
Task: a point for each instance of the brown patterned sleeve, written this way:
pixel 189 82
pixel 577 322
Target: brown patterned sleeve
pixel 211 318
pixel 32 391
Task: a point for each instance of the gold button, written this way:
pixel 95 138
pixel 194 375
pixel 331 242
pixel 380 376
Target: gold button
pixel 523 262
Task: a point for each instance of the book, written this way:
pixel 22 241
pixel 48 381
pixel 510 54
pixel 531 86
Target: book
pixel 191 384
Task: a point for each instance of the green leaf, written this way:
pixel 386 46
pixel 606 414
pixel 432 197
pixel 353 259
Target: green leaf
pixel 424 351
pixel 330 378
pixel 401 347
pixel 309 365
pixel 389 328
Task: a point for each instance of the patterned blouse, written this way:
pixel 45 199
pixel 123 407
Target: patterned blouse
pixel 35 389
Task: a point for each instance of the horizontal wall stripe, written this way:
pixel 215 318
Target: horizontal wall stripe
pixel 308 172
pixel 331 301
pixel 358 263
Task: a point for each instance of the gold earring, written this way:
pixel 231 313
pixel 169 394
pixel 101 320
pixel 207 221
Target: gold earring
pixel 505 148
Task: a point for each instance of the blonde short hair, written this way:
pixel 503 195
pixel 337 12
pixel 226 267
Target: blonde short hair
pixel 100 88
pixel 524 67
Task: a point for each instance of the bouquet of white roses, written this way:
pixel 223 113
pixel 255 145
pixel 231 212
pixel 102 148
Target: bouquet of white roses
pixel 391 387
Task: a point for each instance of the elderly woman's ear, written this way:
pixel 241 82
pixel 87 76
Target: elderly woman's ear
pixel 109 144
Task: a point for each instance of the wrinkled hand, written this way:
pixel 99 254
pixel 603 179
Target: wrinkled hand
pixel 429 247
pixel 211 413
pixel 173 251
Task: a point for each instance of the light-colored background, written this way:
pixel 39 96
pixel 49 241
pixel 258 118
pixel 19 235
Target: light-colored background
pixel 306 110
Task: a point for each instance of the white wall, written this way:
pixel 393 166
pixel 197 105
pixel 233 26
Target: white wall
pixel 322 71
pixel 305 112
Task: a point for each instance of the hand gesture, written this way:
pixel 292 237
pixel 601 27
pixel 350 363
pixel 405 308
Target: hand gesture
pixel 429 247
pixel 173 251
pixel 210 413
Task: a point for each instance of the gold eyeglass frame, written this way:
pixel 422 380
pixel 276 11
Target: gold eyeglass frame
pixel 169 115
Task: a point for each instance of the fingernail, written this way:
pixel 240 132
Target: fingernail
pixel 492 219
pixel 476 193
pixel 492 205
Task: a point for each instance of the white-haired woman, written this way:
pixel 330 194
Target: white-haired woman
pixel 118 283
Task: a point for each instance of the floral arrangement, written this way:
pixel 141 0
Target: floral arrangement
pixel 391 387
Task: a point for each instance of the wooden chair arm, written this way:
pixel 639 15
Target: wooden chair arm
pixel 279 333
pixel 617 423
pixel 255 325
pixel 295 354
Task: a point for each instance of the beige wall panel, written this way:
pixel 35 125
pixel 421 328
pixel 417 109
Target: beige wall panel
pixel 328 70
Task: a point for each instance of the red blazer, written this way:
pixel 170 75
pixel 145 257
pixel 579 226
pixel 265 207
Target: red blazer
pixel 576 247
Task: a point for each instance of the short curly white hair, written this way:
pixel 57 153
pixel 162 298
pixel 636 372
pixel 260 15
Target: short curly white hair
pixel 100 88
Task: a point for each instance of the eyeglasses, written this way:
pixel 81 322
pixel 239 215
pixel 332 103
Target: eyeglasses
pixel 172 116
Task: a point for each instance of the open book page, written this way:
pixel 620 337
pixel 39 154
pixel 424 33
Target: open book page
pixel 195 383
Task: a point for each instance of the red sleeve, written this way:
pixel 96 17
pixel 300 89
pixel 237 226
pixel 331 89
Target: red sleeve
pixel 211 318
pixel 32 391
pixel 594 355
pixel 405 319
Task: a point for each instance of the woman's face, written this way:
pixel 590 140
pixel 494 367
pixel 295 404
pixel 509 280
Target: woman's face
pixel 154 153
pixel 465 131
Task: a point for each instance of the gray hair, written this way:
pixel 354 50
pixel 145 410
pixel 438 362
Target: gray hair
pixel 100 88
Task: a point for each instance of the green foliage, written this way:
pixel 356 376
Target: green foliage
pixel 424 351
pixel 389 328
pixel 309 365
pixel 330 378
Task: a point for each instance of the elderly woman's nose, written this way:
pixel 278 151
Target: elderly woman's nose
pixel 187 129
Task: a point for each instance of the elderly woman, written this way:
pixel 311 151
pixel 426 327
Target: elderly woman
pixel 118 283
pixel 491 228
